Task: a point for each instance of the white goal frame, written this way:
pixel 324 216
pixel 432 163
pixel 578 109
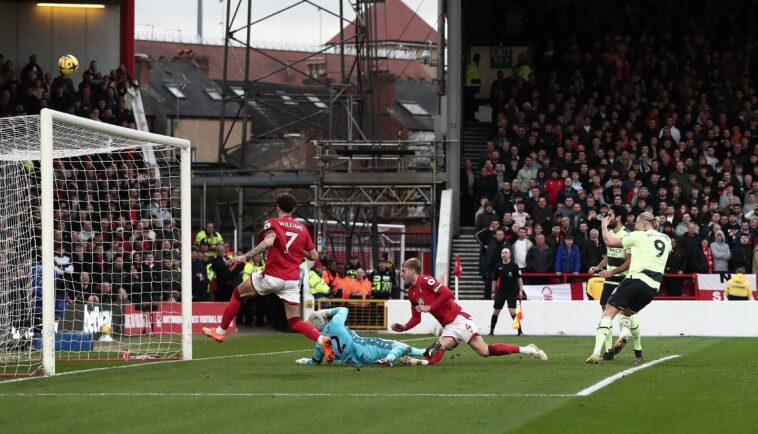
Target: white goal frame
pixel 47 118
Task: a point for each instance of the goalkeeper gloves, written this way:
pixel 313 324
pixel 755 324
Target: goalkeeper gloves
pixel 303 361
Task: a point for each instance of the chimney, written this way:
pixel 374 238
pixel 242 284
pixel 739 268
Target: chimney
pixel 142 69
pixel 203 63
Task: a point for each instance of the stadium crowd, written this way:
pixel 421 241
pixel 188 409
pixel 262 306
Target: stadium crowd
pixel 651 116
pixel 97 96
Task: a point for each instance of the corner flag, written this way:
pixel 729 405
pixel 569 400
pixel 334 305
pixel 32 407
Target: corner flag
pixel 457 270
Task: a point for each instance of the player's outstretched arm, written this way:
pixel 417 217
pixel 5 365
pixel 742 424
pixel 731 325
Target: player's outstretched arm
pixel 413 322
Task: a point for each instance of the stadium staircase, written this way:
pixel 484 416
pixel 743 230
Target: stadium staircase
pixel 475 137
pixel 470 285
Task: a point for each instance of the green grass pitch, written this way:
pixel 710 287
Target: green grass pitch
pixel 250 384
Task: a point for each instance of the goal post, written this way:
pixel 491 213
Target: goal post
pixel 98 170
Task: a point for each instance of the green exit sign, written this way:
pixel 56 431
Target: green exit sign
pixel 501 57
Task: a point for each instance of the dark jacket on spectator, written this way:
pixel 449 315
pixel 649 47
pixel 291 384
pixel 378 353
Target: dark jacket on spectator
pixel 690 246
pixel 503 202
pixel 542 215
pixel 742 256
pixel 485 186
pixel 539 261
pixel 484 219
pixel 592 254
pixel 199 280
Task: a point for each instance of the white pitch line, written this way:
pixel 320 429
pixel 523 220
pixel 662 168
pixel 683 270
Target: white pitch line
pixel 599 385
pixel 293 395
pixel 160 362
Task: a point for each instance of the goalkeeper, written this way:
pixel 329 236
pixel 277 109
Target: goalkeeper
pixel 349 348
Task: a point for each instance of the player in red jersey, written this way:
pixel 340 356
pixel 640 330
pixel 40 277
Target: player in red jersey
pixel 287 242
pixel 426 294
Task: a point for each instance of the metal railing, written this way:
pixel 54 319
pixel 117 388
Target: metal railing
pixel 386 156
pixel 365 314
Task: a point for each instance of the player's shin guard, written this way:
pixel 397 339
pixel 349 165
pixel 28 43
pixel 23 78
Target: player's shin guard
pixel 635 329
pixel 502 349
pixel 231 309
pixel 603 328
pixel 304 328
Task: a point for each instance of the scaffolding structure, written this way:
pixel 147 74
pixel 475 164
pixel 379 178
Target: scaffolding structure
pixel 350 96
pixel 409 193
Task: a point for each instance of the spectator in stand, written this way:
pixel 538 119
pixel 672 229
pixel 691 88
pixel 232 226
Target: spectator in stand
pixel 199 277
pixel 674 265
pixel 211 237
pixel 520 216
pixel 84 288
pixel 485 184
pixel 539 259
pixel 568 258
pixel 592 250
pixel 690 247
pixel 742 254
pixel 721 253
pixel 527 173
pixel 483 220
pixel 702 259
pixel 521 248
pixel 543 214
pixel 93 72
pixel 468 181
pixel 503 199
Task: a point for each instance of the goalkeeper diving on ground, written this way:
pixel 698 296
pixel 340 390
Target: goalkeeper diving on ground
pixel 349 348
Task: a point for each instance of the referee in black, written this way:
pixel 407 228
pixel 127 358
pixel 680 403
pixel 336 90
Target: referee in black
pixel 506 286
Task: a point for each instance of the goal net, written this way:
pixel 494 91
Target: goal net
pixel 92 222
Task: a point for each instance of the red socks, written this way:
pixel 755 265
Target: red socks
pixel 437 357
pixel 231 309
pixel 502 349
pixel 303 327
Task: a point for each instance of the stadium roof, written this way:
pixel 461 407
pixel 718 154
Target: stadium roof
pixel 396 22
pixel 261 64
pixel 180 84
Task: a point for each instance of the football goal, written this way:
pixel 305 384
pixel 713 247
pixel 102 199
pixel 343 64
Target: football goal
pixel 94 244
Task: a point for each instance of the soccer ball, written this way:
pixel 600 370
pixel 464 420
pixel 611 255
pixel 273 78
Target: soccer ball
pixel 68 64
